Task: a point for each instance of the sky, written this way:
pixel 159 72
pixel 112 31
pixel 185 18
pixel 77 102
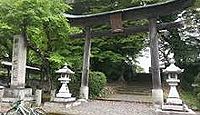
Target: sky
pixel 144 61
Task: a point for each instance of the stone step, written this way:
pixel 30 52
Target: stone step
pixel 135 90
pixel 134 93
pixel 133 85
pixel 138 88
pixel 141 89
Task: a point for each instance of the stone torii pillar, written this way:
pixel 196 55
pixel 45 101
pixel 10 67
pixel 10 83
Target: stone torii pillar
pixel 84 89
pixel 157 92
pixel 18 62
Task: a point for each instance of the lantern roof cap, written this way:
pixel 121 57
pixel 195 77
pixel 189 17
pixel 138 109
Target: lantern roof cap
pixel 173 68
pixel 65 69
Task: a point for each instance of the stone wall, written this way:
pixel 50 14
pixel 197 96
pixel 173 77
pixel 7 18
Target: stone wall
pixel 37 84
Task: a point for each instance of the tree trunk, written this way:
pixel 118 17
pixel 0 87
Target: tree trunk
pixel 47 76
pixel 121 78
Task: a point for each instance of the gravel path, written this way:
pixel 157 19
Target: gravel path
pixel 110 108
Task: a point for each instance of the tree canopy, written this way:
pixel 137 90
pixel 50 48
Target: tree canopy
pixel 46 30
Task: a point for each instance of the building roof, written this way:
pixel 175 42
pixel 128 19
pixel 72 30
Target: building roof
pixel 10 64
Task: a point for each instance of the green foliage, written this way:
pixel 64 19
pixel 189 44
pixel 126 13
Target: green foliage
pixel 43 25
pixel 186 47
pixel 198 97
pixel 197 87
pixel 96 6
pixel 185 56
pixel 196 4
pixel 109 54
pixel 97 81
pixel 184 43
pixel 107 91
pixel 190 99
pixel 75 84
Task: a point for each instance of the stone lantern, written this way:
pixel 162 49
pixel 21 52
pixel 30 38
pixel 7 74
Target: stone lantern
pixel 173 101
pixel 172 72
pixel 64 93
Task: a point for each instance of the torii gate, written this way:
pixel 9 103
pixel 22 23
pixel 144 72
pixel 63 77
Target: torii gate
pixel 115 19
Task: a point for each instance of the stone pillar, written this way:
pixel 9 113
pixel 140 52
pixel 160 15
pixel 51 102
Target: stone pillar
pixel 38 97
pixel 157 92
pixel 84 90
pixel 53 94
pixel 18 62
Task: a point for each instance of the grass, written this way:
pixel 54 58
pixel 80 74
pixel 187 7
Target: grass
pixel 191 100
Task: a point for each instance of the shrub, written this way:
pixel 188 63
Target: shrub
pixel 198 97
pixel 97 81
pixel 197 88
pixel 107 91
pixel 74 84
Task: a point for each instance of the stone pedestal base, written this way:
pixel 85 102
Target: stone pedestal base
pixel 176 101
pixel 84 92
pixel 63 95
pixel 173 107
pixel 157 97
pixel 12 95
pixel 70 99
pixel 160 112
pixel 180 108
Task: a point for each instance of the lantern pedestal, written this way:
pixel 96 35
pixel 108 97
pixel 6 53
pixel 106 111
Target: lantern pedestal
pixel 173 97
pixel 61 99
pixel 173 101
pixel 64 95
pixel 64 90
pixel 174 105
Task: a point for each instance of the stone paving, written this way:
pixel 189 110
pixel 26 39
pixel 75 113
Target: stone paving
pixel 129 98
pixel 124 102
pixel 97 107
